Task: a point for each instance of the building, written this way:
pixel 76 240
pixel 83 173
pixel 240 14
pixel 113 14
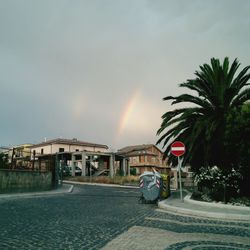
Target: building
pixel 66 145
pixel 19 156
pixel 91 158
pixel 4 150
pixel 144 158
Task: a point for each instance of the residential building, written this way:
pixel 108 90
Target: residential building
pixel 4 150
pixel 19 156
pixel 144 158
pixel 66 145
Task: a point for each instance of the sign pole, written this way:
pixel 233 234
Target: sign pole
pixel 178 149
pixel 179 167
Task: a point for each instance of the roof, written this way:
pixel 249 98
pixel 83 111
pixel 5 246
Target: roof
pixel 136 149
pixel 4 149
pixel 69 142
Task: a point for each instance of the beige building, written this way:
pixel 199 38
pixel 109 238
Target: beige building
pixel 66 146
pixel 19 156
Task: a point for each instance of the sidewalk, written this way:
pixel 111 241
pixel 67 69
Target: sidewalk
pixel 65 188
pixel 204 209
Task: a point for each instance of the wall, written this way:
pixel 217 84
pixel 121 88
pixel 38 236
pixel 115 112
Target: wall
pixel 52 149
pixel 24 181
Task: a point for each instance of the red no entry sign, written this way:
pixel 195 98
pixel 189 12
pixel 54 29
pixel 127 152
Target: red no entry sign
pixel 178 148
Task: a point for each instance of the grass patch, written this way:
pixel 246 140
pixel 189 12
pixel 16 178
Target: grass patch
pixel 120 180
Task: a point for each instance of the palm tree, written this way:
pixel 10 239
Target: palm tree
pixel 202 126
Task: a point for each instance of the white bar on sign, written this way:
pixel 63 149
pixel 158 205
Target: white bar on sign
pixel 177 148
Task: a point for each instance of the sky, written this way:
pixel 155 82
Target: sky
pixel 97 70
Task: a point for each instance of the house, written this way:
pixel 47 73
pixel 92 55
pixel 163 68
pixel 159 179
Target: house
pixel 4 150
pixel 66 145
pixel 144 158
pixel 19 156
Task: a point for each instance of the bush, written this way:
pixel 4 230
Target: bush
pixel 218 185
pixel 132 171
pixel 196 196
pixel 3 161
pixel 241 201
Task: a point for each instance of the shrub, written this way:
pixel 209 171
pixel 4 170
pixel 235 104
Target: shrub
pixel 217 184
pixel 133 171
pixel 241 201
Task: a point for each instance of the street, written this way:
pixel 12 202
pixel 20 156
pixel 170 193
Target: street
pixel 95 217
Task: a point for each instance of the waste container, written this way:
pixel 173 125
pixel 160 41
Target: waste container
pixel 165 192
pixel 150 185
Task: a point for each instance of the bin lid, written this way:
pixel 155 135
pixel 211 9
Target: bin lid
pixel 150 173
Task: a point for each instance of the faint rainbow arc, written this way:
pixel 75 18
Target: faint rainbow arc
pixel 129 108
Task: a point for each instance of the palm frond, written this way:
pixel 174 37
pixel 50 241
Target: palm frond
pixel 201 127
pixel 241 98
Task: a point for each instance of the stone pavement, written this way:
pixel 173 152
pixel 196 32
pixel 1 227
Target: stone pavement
pixel 148 238
pixel 103 217
pixel 188 225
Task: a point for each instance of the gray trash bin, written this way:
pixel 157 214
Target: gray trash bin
pixel 150 185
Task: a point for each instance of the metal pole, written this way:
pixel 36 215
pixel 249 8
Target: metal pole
pixel 90 160
pixel 179 167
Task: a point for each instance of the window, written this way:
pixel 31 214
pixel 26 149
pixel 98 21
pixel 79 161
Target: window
pixel 61 149
pixel 42 151
pixel 141 159
pixel 77 150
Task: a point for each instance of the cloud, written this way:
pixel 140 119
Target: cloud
pixel 69 68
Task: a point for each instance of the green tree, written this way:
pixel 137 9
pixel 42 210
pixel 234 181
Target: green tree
pixel 202 127
pixel 3 161
pixel 237 143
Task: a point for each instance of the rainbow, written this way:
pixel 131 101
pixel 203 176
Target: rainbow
pixel 126 114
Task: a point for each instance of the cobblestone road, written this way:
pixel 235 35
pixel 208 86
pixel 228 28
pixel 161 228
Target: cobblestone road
pixel 95 217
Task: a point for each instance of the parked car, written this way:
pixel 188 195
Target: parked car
pixel 78 170
pixel 65 171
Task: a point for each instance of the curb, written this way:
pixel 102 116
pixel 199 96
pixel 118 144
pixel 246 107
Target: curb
pixel 36 194
pixel 99 184
pixel 200 213
pixel 188 199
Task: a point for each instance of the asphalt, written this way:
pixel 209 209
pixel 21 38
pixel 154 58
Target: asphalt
pixel 173 204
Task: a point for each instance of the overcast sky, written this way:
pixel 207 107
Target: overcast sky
pixel 97 70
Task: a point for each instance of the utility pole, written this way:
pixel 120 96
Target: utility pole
pixel 12 158
pixel 33 162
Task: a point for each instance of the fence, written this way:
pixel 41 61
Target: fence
pixel 25 175
pixel 24 181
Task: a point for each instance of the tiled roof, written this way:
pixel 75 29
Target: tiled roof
pixel 69 142
pixel 138 150
pixel 129 149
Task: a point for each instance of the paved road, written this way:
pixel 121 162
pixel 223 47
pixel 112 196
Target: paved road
pixel 95 217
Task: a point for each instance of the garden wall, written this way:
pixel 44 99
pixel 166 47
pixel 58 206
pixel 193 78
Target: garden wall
pixel 24 181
